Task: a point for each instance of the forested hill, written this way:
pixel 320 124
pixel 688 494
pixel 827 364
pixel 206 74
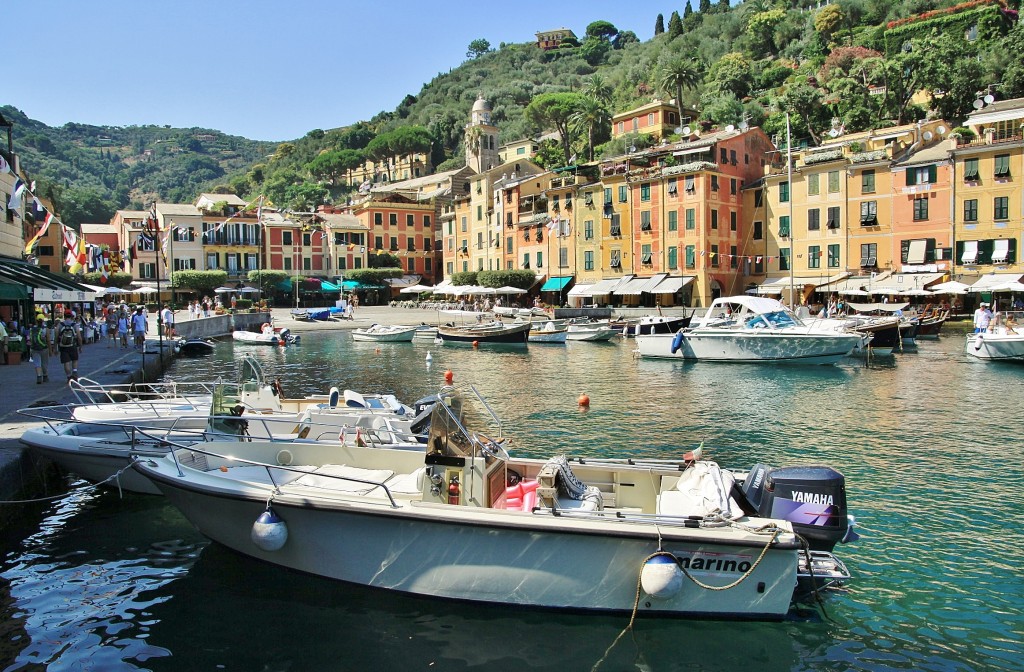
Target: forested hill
pixel 856 64
pixel 89 171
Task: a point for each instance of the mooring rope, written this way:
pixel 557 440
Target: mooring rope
pixel 86 488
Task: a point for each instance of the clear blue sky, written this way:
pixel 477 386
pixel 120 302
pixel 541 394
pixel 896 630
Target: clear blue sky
pixel 266 70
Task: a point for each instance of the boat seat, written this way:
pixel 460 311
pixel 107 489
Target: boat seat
pixel 255 474
pixel 333 477
pixel 560 489
pixel 522 496
pixel 407 484
pixel 702 490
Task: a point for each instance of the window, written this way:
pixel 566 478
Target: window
pixel 307 239
pixel 1002 165
pixel 232 260
pixel 608 196
pixel 833 218
pixel 673 257
pixel 714 219
pixel 426 245
pixel 616 226
pixel 921 208
pixel 479 240
pixel 409 220
pixel 732 156
pixel 867 182
pixel 623 193
pixel 833 256
pixel 146 242
pixel 645 220
pixel 869 255
pixel 615 259
pixel 971 170
pixel 588 199
pixel 645 254
pixel 714 256
pixel 971 210
pixel 555 207
pixel 509 243
pixel 732 186
pixel 814 256
pixel 690 184
pixel 588 260
pixel 426 221
pixel 393 219
pixel 287 263
pixel 479 213
pixel 464 224
pixel 869 213
pixel 732 220
pixel 691 257
pixel 725 155
pixel 758 198
pixel 427 265
pixel 758 231
pixel 784 192
pixel 526 259
pixel 813 188
pixel 922 175
pixel 190 264
pixel 342 264
pixel 672 188
pixel 588 229
pixel 307 264
pixel 212 261
pixel 833 181
pixel 759 262
pixel 1001 207
pixel 286 237
pixel 734 258
pixel 563 257
pixel 673 220
pixel 645 191
pixel 784 226
pixel 690 219
pixel 147 270
pixel 784 259
pixel 378 242
pixel 378 219
pixel 814 220
pixel 714 183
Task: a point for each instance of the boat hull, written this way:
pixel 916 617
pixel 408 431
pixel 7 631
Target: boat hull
pixel 754 346
pixel 548 336
pixel 592 334
pixel 95 461
pixel 396 336
pixel 487 556
pixel 1002 347
pixel 251 338
pixel 513 335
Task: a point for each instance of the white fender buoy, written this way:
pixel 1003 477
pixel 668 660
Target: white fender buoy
pixel 269 532
pixel 430 357
pixel 661 577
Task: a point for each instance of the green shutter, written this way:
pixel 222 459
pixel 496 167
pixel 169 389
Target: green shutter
pixel 933 174
pixel 784 225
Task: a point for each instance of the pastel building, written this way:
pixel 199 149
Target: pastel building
pixel 658 119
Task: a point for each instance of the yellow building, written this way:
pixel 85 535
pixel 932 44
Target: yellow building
pixel 658 119
pixel 988 171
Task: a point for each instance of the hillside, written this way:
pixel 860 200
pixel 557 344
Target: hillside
pixel 854 64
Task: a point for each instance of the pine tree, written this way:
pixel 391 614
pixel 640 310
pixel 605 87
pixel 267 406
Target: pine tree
pixel 688 11
pixel 705 7
pixel 659 25
pixel 723 6
pixel 675 25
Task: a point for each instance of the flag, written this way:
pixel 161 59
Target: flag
pixel 4 166
pixel 47 220
pixel 38 211
pixel 15 201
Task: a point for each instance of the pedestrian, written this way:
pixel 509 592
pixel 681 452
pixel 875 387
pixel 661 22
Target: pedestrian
pixel 139 328
pixel 3 341
pixel 982 318
pixel 122 328
pixel 40 341
pixel 111 326
pixel 69 340
pixel 167 315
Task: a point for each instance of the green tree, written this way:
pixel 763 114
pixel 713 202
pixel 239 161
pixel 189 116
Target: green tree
pixel 659 25
pixel 761 29
pixel 732 72
pixel 595 50
pixel 553 111
pixel 78 205
pixel 805 101
pixel 721 107
pixel 267 277
pixel 828 21
pixel 203 282
pixel 675 25
pixel 331 165
pixel 623 38
pixel 598 87
pixel 478 47
pixel 958 85
pixel 591 117
pixel 602 30
pixel 678 73
pixel 704 7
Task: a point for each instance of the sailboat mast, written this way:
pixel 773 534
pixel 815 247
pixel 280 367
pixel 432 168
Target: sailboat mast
pixel 792 227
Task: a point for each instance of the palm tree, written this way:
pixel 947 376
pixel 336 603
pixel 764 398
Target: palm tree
pixel 590 115
pixel 597 87
pixel 678 73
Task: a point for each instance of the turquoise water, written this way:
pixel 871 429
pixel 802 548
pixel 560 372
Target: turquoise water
pixel 929 442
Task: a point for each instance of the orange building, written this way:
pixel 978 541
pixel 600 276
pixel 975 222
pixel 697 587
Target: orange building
pixel 658 118
pixel 401 226
pixel 552 39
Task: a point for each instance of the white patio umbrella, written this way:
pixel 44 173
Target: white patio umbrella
pixel 249 290
pixel 481 291
pixel 144 290
pixel 415 289
pixel 950 287
pixel 447 289
pixel 509 290
pixel 1010 287
pixel 853 292
pixel 225 290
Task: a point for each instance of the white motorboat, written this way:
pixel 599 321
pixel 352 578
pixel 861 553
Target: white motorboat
pixel 1001 345
pixel 463 520
pixel 425 333
pixel 378 333
pixel 267 335
pixel 599 331
pixel 658 324
pixel 548 332
pixel 751 329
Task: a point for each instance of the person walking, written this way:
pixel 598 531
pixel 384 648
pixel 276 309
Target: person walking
pixel 167 315
pixel 111 320
pixel 69 340
pixel 139 328
pixel 123 326
pixel 40 341
pixel 982 318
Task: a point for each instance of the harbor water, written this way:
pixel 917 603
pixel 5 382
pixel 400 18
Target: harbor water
pixel 929 441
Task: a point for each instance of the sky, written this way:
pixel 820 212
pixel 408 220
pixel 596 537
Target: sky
pixel 260 69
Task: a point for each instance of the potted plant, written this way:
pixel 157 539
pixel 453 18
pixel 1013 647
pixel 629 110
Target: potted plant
pixel 15 350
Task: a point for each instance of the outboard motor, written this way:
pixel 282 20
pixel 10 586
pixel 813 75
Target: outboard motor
pixel 812 498
pixel 423 404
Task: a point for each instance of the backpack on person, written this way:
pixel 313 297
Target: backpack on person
pixel 38 339
pixel 66 337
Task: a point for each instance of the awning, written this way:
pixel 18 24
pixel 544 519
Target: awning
pixel 993 117
pixel 901 283
pixel 12 292
pixel 916 253
pixel 556 283
pixel 580 290
pixel 605 287
pixel 859 285
pixel 970 255
pixel 781 285
pixel 672 284
pixel 638 286
pixel 987 283
pixel 46 286
pixel 832 281
pixel 1000 251
pixel 326 286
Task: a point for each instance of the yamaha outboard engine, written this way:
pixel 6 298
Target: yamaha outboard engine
pixel 812 498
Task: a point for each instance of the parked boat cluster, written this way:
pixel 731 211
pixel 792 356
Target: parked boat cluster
pixel 426 498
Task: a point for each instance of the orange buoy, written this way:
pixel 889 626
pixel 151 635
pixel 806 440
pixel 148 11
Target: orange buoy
pixel 224 469
pixel 476 344
pixel 449 377
pixel 584 401
pixel 377 350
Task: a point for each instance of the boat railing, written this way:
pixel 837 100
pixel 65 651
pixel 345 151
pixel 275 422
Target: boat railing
pixel 194 449
pixel 89 392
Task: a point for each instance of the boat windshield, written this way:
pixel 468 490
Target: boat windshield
pixel 778 319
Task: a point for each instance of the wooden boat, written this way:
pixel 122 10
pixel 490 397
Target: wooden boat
pixel 592 332
pixel 494 333
pixel 461 519
pixel 548 332
pixel 385 334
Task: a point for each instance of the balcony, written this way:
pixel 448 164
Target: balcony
pixel 987 140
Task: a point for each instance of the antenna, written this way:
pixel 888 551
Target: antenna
pixel 686 130
pixel 978 104
pixel 730 128
pixel 989 99
pixel 833 132
pixel 678 130
pixel 941 130
pixel 928 136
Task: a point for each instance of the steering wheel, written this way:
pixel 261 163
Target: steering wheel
pixel 491 447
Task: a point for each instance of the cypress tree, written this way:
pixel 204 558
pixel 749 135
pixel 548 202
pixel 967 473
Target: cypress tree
pixel 675 25
pixel 688 11
pixel 659 25
pixel 705 7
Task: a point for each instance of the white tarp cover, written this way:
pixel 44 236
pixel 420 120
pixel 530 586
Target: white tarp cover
pixel 991 281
